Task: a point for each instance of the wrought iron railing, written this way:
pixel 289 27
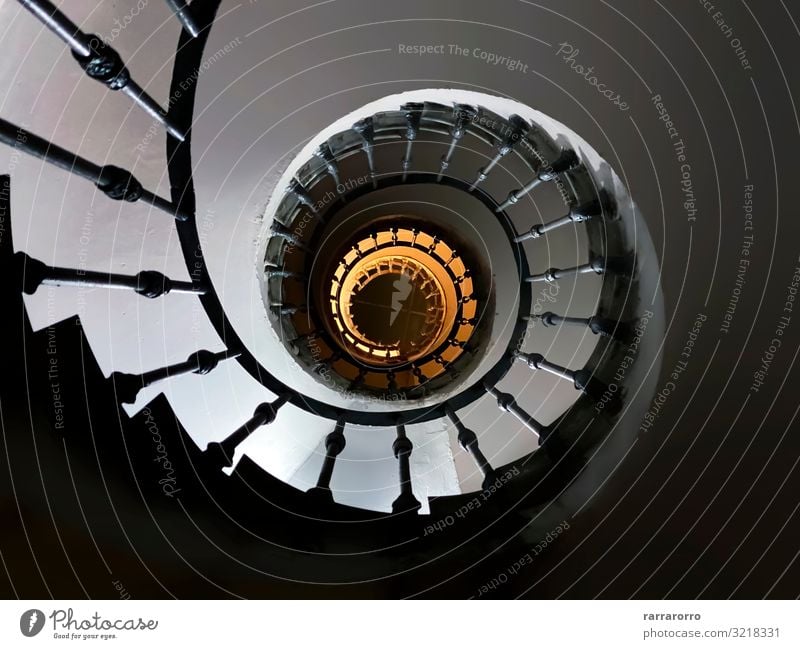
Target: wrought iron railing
pixel 547 160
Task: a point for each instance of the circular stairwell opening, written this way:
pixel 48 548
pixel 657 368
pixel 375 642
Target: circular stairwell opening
pixel 393 298
pixel 410 255
pixel 390 303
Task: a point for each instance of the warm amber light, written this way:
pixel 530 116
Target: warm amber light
pixel 394 299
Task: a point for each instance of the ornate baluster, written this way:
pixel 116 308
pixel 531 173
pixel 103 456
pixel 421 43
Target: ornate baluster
pixel 287 309
pixel 149 283
pixel 576 214
pixel 305 338
pixel 360 378
pixel 274 271
pixel 596 266
pixel 391 380
pixel 565 161
pixel 417 372
pixel 513 133
pixel 413 112
pixel 583 380
pixel 325 364
pixel 334 444
pixel 468 440
pixel 304 198
pixel 462 114
pixel 402 448
pixel 59 24
pixel 220 454
pixel 507 403
pixel 280 230
pixel 325 154
pixel 366 130
pixel 184 14
pixel 127 386
pixel 98 60
pixel 597 325
pixel 114 182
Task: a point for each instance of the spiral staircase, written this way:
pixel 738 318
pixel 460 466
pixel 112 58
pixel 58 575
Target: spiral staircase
pixel 433 301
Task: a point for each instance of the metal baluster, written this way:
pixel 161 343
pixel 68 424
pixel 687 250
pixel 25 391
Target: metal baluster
pixel 304 198
pixel 59 24
pixel 468 440
pixel 98 60
pixel 576 214
pixel 596 324
pixel 280 230
pixel 565 161
pixel 275 271
pixel 413 112
pixel 184 14
pixel 220 454
pixel 583 380
pixel 507 403
pixel 148 283
pixel 325 154
pixel 116 183
pixel 305 338
pixel 596 266
pixel 325 364
pixel 358 381
pixel 334 445
pixel 462 114
pixel 366 130
pixel 127 386
pixel 287 309
pixel 514 131
pixel 402 448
